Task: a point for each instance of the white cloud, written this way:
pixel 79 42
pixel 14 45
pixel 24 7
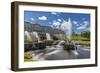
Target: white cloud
pixel 53 13
pixel 75 22
pixel 59 20
pixel 42 18
pixel 86 23
pixel 56 24
pixel 64 25
pixel 32 19
pixel 81 27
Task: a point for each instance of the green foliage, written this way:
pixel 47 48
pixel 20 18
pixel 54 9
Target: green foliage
pixel 86 34
pixel 82 40
pixel 78 38
pixel 85 42
pixel 28 55
pixel 28 60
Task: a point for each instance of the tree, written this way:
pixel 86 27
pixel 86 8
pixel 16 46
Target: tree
pixel 86 34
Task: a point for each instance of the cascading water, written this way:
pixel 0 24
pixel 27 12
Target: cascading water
pixel 48 36
pixel 36 35
pixel 69 28
pixel 27 34
pixel 66 26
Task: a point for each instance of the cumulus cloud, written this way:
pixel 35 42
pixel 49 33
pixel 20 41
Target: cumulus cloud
pixel 83 26
pixel 86 23
pixel 53 13
pixel 75 22
pixel 59 20
pixel 32 19
pixel 56 24
pixel 42 18
pixel 62 24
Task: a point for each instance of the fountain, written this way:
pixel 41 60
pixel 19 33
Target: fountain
pixel 69 28
pixel 66 26
pixel 28 37
pixel 48 36
pixel 36 35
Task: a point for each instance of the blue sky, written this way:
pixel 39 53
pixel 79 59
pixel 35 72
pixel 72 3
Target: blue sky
pixel 80 22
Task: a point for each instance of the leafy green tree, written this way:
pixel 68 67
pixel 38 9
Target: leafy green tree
pixel 86 34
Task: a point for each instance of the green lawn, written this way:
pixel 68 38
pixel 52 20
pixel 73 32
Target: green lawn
pixel 85 42
pixel 28 60
pixel 81 40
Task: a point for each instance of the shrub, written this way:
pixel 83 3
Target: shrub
pixel 28 55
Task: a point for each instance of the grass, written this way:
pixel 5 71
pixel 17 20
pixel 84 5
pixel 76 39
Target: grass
pixel 85 42
pixel 79 39
pixel 27 57
pixel 28 60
